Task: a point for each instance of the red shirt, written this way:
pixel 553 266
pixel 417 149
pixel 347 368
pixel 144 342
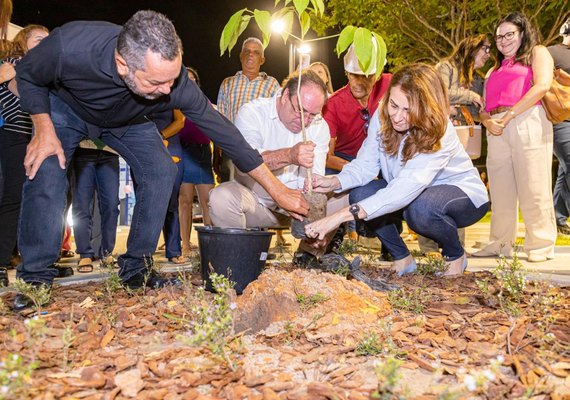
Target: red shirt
pixel 343 115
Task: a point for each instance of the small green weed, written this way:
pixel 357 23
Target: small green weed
pixel 388 374
pixel 308 302
pixel 432 266
pixel 15 375
pixel 68 338
pixel 369 345
pixel 347 248
pixel 40 295
pixel 511 280
pixel 409 300
pixel 212 320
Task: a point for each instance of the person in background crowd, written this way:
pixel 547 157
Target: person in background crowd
pixel 235 91
pixel 96 170
pixel 15 135
pixel 519 139
pixel 561 55
pixel 465 88
pixel 98 79
pixel 427 177
pixel 273 127
pixel 198 174
pixel 348 115
pixel 323 72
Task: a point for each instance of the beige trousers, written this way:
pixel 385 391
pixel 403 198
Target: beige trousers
pixel 519 165
pixel 233 205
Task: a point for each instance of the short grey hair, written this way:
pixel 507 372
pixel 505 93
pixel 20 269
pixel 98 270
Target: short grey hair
pixel 148 30
pixel 254 40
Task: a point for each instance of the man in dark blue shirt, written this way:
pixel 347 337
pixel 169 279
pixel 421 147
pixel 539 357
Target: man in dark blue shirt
pixel 97 79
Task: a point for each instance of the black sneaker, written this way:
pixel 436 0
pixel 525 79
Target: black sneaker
pixel 62 271
pixel 563 230
pixel 150 279
pixel 4 277
pixel 22 301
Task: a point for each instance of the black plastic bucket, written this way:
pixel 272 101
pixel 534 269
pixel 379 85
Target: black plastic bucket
pixel 238 254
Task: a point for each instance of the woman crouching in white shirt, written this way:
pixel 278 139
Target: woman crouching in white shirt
pixel 428 178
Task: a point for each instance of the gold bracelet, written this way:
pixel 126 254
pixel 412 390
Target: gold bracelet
pixel 512 113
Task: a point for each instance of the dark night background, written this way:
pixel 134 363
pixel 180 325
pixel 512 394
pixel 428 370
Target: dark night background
pixel 199 24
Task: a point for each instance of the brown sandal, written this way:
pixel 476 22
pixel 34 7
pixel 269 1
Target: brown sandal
pixel 85 265
pixel 179 260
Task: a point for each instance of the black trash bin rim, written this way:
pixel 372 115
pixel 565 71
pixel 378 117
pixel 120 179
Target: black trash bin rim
pixel 233 231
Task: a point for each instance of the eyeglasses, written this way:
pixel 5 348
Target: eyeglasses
pixel 507 36
pixel 365 116
pixel 486 48
pixel 309 116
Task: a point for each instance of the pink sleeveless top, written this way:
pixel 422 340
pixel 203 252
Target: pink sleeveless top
pixel 507 85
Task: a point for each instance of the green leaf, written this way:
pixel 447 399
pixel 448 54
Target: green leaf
pixel 381 52
pixel 263 20
pixel 305 21
pixel 345 39
pixel 320 8
pixel 300 5
pixel 230 30
pixel 364 49
pixel 244 22
pixel 287 18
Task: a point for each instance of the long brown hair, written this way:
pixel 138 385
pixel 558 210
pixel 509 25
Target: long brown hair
pixel 20 42
pixel 528 39
pixel 5 15
pixel 464 57
pixel 428 113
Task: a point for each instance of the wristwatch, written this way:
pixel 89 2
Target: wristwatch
pixel 354 210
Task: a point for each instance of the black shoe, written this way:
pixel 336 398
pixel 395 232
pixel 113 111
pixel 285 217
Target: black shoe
pixel 62 271
pixel 303 259
pixel 563 230
pixel 22 301
pixel 4 277
pixel 150 279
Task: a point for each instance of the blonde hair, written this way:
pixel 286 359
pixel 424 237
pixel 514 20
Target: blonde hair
pixel 428 113
pixel 20 42
pixel 330 89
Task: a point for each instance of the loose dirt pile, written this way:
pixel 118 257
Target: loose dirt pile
pixel 300 334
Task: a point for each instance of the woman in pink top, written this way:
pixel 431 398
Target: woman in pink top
pixel 519 158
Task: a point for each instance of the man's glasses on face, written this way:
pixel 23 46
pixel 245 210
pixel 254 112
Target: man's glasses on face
pixel 308 116
pixel 365 116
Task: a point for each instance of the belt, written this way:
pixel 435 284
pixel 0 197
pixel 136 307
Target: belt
pixel 499 110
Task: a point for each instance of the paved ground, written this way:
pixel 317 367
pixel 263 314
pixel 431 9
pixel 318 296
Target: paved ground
pixel 557 270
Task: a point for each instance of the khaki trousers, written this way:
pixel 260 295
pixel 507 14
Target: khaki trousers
pixel 233 205
pixel 519 164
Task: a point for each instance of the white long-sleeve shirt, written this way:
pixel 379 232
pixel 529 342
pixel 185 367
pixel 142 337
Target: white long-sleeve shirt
pixel 448 166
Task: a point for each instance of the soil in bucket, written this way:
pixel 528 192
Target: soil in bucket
pixel 238 254
pixel 317 210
